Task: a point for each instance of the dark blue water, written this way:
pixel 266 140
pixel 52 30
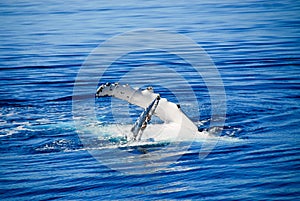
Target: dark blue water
pixel 254 45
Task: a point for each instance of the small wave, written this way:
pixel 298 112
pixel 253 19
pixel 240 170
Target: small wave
pixel 61 145
pixel 66 98
pixel 8 133
pixel 19 127
pixel 39 67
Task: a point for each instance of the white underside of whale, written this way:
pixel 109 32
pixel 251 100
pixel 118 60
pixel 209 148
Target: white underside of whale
pixel 177 126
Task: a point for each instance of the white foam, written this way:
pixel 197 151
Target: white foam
pixel 154 133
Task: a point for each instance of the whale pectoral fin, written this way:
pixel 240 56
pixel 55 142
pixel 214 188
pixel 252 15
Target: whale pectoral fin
pixel 143 120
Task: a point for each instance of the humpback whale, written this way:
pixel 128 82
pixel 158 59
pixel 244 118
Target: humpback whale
pixel 153 104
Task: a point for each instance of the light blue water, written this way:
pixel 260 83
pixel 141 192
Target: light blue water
pixel 255 46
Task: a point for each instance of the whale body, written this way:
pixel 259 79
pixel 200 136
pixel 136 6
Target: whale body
pixel 167 111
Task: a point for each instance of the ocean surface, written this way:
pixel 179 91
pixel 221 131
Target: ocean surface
pixel 253 44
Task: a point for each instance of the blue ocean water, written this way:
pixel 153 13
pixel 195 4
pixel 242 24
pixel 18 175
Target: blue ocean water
pixel 254 45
